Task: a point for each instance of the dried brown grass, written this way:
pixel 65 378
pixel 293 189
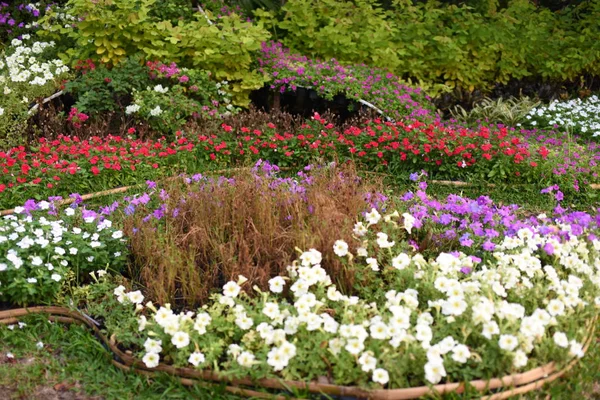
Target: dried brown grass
pixel 248 229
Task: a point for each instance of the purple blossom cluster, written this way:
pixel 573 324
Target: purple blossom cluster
pixel 16 18
pixel 480 223
pixel 577 156
pixel 381 88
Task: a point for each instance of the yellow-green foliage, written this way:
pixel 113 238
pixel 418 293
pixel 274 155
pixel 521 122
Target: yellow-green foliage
pixel 446 46
pixel 111 30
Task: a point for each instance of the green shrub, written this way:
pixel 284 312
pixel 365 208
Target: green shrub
pixel 163 96
pixel 115 29
pixel 445 47
pixel 101 89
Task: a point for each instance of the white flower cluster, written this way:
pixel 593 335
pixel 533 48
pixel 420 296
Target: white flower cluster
pixel 24 64
pixel 513 302
pixel 581 116
pixel 156 111
pixel 39 251
pixel 161 89
pixel 132 109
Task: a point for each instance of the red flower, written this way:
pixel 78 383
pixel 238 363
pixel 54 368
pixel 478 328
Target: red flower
pixel 95 170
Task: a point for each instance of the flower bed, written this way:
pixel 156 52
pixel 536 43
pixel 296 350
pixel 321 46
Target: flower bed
pixel 512 385
pixel 162 96
pixel 458 316
pixel 496 154
pixel 443 291
pixel 329 78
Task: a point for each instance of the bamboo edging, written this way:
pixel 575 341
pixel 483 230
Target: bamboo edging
pixel 593 186
pixel 509 385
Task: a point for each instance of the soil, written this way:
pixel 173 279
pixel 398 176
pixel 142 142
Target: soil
pixel 56 392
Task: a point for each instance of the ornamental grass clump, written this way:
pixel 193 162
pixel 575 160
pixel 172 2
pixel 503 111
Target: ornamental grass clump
pixel 191 239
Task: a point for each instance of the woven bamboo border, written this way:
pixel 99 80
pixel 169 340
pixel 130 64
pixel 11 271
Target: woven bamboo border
pixel 509 385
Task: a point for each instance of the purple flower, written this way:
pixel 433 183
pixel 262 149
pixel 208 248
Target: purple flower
pixel 88 213
pixel 549 249
pixel 489 246
pixel 407 196
pixel 77 198
pixel 559 196
pixel 160 211
pixel 29 206
pixel 151 184
pixel 466 270
pixel 414 176
pixel 163 195
pixel 465 240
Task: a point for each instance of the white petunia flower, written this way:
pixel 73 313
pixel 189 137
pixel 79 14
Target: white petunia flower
pixel 276 284
pixel 196 358
pixel 180 339
pixel 231 289
pixel 340 248
pixel 508 342
pixel 372 263
pixel 461 353
pixel 246 359
pixel 520 359
pixel 151 360
pixel 401 261
pixel 373 217
pixel 435 371
pixel 153 346
pixel 381 376
pixel 409 222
